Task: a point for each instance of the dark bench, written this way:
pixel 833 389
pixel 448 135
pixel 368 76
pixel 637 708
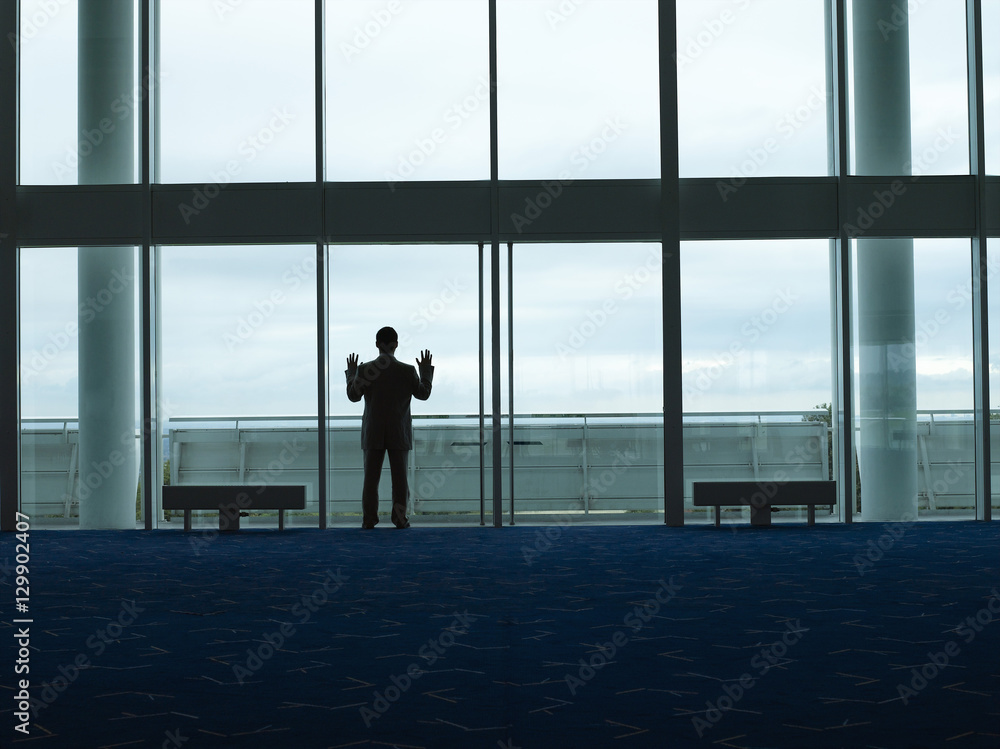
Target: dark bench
pixel 760 496
pixel 231 500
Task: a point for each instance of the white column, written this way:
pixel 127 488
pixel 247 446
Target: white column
pixel 887 385
pixel 106 277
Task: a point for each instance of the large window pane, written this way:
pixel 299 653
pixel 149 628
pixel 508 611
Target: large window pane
pixel 78 451
pixel 238 369
pixel 588 381
pixel 408 94
pixel 937 62
pixel 757 369
pixel 237 91
pixel 431 298
pixel 752 87
pixel 914 382
pixel 53 141
pixel 577 89
pixel 991 83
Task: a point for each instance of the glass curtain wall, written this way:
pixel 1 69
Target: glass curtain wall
pixel 601 56
pixel 80 456
pixel 407 99
pixel 408 90
pixel 236 92
pixel 757 367
pixel 752 88
pixel 913 380
pixel 588 383
pixel 237 371
pixel 429 294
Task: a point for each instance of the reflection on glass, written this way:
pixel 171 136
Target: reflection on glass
pixel 920 338
pixel 237 92
pixel 757 370
pixel 751 88
pixel 408 92
pixel 79 457
pixel 56 133
pixel 430 295
pixel 931 37
pixel 601 59
pixel 588 379
pixel 238 367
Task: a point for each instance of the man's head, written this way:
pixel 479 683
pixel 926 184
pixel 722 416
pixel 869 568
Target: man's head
pixel 386 340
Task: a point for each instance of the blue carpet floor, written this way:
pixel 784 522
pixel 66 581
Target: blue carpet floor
pixel 638 636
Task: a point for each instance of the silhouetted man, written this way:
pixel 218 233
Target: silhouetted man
pixel 387 385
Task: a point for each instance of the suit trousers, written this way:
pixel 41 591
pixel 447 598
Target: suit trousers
pixel 400 491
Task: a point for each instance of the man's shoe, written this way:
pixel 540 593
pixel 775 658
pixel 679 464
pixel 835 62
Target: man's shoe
pixel 404 525
pixel 368 526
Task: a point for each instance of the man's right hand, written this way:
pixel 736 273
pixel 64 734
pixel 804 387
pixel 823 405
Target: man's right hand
pixel 352 365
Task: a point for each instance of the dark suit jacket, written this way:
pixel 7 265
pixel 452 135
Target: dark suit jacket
pixel 387 385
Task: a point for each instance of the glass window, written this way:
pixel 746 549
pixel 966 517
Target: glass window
pixel 236 82
pixel 757 368
pixel 408 90
pixel 991 83
pixel 237 369
pixel 751 80
pixel 54 139
pixel 577 89
pixel 914 385
pixel 938 90
pixel 80 454
pixel 588 381
pixel 431 299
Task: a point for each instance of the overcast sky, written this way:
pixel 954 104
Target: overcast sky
pixel 407 98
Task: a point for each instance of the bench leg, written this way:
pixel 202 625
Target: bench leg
pixel 811 514
pixel 281 520
pixel 718 516
pixel 187 520
pixel 760 516
pixel 229 519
